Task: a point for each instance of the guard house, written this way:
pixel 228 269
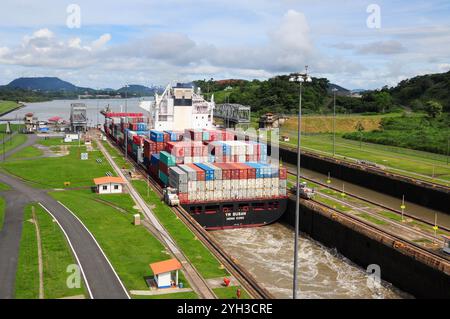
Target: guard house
pixel 109 185
pixel 166 273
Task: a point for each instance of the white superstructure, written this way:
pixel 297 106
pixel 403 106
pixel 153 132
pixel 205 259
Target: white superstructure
pixel 179 108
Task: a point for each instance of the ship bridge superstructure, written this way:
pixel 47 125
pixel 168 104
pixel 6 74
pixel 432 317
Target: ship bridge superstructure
pixel 179 107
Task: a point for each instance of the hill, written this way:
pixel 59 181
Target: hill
pixel 138 90
pixel 46 84
pixel 415 92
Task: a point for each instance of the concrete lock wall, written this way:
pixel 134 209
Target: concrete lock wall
pixel 383 182
pixel 403 271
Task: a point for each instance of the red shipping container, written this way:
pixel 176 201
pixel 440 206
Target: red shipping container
pixel 226 172
pixel 243 170
pixel 166 137
pixel 251 171
pixel 183 197
pixel 160 146
pixel 163 168
pixel 283 173
pixel 200 173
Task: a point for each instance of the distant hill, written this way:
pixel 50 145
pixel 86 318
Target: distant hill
pixel 340 89
pixel 46 84
pixel 134 89
pixel 415 92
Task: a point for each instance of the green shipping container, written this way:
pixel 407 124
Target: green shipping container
pixel 167 158
pixel 163 178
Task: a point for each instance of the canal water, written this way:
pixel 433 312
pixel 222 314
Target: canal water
pixel 267 253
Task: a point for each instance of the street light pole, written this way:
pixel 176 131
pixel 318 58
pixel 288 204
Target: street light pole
pixel 334 121
pixel 300 78
pixel 126 121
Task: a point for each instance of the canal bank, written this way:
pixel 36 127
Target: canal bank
pixel 422 193
pixel 401 264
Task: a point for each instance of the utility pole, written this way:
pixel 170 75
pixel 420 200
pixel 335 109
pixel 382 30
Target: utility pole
pixel 448 149
pixel 334 121
pixel 300 78
pixel 126 121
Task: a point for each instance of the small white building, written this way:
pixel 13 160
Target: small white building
pixel 109 185
pixel 166 273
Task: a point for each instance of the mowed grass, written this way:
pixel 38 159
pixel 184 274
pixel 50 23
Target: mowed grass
pixel 194 250
pixel 4 187
pixel 344 123
pixel 27 275
pixel 54 172
pixel 56 141
pixel 7 106
pixel 56 256
pixel 116 155
pixel 230 293
pixel 129 248
pixel 15 141
pixel 2 212
pixel 178 295
pixel 27 152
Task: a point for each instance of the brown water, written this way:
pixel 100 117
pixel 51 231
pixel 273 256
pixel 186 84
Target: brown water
pixel 413 209
pixel 267 253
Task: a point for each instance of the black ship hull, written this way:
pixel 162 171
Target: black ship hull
pixel 237 214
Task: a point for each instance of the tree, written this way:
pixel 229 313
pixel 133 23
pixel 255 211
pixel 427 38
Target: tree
pixel 433 108
pixel 383 100
pixel 360 128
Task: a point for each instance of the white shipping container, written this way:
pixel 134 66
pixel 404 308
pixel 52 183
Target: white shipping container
pixel 192 186
pixel 218 195
pixel 201 186
pixel 275 182
pixel 251 183
pixel 258 192
pixel 227 184
pixel 201 195
pixel 209 185
pixel 243 183
pixel 192 196
pixel 218 185
pixel 188 160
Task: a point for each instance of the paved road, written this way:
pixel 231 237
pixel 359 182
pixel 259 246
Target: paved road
pixel 32 138
pixel 100 276
pixel 10 240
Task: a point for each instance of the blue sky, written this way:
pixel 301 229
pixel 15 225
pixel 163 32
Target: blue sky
pixel 154 42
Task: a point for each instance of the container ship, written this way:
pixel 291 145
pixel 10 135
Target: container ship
pixel 222 182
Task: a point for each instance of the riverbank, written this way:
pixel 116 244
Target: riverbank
pixel 9 106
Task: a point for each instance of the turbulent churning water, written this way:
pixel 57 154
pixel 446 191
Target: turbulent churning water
pixel 267 253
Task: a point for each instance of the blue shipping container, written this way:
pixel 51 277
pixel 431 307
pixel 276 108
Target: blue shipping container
pixel 156 136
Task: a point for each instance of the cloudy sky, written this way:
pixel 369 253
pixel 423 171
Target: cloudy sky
pixel 154 42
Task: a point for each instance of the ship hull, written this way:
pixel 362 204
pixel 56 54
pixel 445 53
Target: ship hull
pixel 236 214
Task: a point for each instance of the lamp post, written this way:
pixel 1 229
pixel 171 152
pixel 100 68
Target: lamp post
pixel 126 121
pixel 300 78
pixel 334 120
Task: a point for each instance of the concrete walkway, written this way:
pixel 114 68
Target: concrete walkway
pixel 197 282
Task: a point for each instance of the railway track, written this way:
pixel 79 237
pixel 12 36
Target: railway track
pixel 398 212
pixel 242 275
pixel 441 257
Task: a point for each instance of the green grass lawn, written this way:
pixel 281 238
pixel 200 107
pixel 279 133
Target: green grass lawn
pixel 27 152
pixel 195 251
pixel 53 172
pixel 54 141
pixel 56 256
pixel 178 295
pixel 15 141
pixel 230 292
pixel 372 219
pixel 2 212
pixel 27 275
pixel 4 187
pixel 129 248
pixel 6 106
pixel 116 155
